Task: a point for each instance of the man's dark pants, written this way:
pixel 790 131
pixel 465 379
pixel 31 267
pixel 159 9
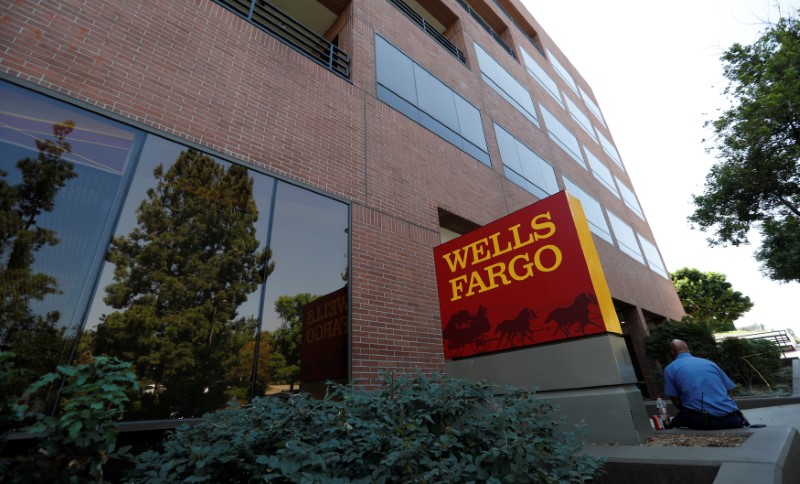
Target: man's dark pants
pixel 705 421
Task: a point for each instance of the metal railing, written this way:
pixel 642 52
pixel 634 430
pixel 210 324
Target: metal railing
pixel 429 29
pixel 530 39
pixel 264 15
pixel 487 27
pixel 780 337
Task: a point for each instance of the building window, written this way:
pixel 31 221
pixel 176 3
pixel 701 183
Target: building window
pixel 563 72
pixel 593 107
pixel 542 77
pixel 504 84
pixel 206 280
pixel 562 136
pixel 601 172
pixel 311 28
pixel 610 149
pixel 592 209
pixel 630 199
pixel 435 19
pixel 524 167
pixel 653 257
pixel 407 87
pixel 626 238
pixel 580 118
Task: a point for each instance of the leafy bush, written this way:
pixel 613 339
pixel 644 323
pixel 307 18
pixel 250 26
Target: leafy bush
pixel 698 336
pixel 412 429
pixel 750 362
pixel 74 445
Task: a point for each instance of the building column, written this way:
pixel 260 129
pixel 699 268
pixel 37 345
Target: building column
pixel 651 370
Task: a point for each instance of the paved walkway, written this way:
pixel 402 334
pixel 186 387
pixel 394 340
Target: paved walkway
pixel 781 415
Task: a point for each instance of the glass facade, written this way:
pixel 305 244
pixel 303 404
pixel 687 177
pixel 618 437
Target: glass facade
pixel 653 257
pixel 562 136
pixel 562 71
pixel 601 172
pixel 592 209
pixel 202 273
pixel 524 167
pixel 626 238
pixel 630 199
pixel 542 77
pixel 504 84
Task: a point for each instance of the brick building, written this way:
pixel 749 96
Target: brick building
pixel 215 166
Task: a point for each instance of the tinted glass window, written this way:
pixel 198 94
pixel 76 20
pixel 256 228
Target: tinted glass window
pixel 626 239
pixel 469 120
pixel 395 71
pixel 60 173
pixel 593 107
pixel 562 136
pixel 525 167
pixel 562 71
pixel 653 257
pixel 213 280
pixel 505 85
pixel 630 199
pixel 592 209
pixel 542 77
pixel 436 99
pixel 580 118
pixel 610 149
pixel 601 171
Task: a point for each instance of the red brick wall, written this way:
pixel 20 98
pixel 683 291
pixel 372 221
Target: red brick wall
pixel 194 70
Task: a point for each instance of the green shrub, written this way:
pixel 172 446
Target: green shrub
pixel 750 362
pixel 698 336
pixel 412 429
pixel 74 445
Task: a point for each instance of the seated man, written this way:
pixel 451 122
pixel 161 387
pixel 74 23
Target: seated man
pixel 701 391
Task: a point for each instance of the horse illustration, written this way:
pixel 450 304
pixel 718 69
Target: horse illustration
pixel 520 326
pixel 577 312
pixel 464 328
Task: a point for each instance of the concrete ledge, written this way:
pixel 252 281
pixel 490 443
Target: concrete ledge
pixel 769 455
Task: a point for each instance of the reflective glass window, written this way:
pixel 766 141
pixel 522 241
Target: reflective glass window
pixel 61 170
pixel 395 71
pixel 653 257
pixel 562 136
pixel 562 71
pixel 601 172
pixel 630 199
pixel 525 167
pixel 415 92
pixel 504 84
pixel 593 107
pixel 542 77
pixel 610 149
pixel 580 118
pixel 626 238
pixel 592 209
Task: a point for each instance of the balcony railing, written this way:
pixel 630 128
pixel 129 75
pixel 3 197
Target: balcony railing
pixel 296 35
pixel 427 27
pixel 487 27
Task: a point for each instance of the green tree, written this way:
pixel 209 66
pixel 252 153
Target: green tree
pixel 289 336
pixel 179 278
pixel 710 298
pixel 756 182
pixel 35 338
pixel 699 337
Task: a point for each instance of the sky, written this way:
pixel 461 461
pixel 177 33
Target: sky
pixel 655 72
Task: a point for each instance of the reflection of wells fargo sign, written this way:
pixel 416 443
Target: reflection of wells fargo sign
pixel 323 351
pixel 531 277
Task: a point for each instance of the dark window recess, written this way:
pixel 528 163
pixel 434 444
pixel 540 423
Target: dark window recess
pixel 269 18
pixel 487 27
pixel 429 29
pixel 530 34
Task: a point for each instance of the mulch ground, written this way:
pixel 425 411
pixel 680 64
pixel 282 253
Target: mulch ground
pixel 695 440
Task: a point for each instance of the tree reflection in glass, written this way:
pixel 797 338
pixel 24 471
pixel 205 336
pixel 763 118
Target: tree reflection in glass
pixel 35 338
pixel 180 275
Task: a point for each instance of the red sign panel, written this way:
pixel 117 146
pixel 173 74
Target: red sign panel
pixel 323 350
pixel 528 278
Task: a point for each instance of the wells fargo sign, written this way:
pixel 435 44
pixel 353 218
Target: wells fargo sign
pixel 323 349
pixel 528 278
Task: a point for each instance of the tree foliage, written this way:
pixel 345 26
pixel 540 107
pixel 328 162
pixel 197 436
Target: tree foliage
pixel 35 338
pixel 699 337
pixel 750 362
pixel 288 337
pixel 710 298
pixel 180 276
pixel 756 182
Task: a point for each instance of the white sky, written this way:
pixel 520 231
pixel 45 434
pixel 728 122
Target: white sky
pixel 655 71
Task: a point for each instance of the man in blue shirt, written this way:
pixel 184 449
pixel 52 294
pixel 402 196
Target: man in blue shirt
pixel 701 391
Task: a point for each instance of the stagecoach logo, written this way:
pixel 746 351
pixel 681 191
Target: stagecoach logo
pixel 528 278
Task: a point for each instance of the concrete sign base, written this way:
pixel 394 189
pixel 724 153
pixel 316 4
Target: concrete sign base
pixel 590 379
